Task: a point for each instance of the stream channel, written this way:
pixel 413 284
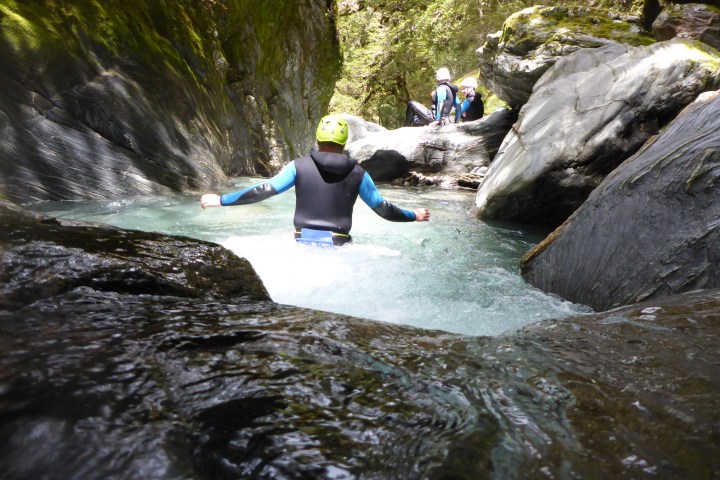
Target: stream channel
pixel 454 273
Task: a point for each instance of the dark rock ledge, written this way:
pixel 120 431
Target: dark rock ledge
pixel 139 355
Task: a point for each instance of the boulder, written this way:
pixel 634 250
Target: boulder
pixel 138 355
pixel 582 60
pixel 448 152
pixel 650 229
pixel 43 258
pixel 360 128
pixel 694 20
pixel 577 128
pixel 532 40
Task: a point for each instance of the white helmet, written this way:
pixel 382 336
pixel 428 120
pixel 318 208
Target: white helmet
pixel 469 82
pixel 442 74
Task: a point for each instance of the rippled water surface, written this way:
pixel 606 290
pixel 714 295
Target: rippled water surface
pixel 454 273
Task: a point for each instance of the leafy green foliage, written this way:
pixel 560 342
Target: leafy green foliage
pixel 392 48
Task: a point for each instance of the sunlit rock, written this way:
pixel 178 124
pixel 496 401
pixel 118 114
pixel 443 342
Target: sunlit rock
pixel 650 229
pixel 360 128
pixel 532 40
pixel 446 152
pixel 579 127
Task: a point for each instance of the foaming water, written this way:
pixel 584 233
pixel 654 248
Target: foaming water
pixel 454 273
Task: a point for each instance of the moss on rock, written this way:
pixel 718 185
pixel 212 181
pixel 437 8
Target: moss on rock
pixel 158 83
pixel 532 40
pixel 535 26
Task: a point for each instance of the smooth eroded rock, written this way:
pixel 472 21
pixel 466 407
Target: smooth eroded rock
pixel 651 229
pixel 581 124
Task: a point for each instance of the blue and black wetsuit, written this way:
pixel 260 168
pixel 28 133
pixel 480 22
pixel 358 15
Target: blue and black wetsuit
pixel 472 107
pixel 444 99
pixel 326 188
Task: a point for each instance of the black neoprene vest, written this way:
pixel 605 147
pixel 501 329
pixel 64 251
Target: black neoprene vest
pixel 476 109
pixel 324 200
pixel 449 99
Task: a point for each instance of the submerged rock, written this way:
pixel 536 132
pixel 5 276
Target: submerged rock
pixel 103 379
pixel 650 229
pixel 581 124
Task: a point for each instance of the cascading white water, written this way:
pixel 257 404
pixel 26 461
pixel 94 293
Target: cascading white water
pixel 454 273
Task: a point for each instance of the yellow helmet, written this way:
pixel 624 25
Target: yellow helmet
pixel 332 128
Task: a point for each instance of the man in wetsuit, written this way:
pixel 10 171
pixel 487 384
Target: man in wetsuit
pixel 327 183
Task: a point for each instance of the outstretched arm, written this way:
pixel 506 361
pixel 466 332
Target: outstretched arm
pixel 388 211
pixel 257 193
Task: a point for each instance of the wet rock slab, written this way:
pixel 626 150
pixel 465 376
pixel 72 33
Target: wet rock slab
pixel 102 381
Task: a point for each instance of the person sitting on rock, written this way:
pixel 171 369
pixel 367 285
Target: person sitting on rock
pixel 444 98
pixel 327 184
pixel 472 107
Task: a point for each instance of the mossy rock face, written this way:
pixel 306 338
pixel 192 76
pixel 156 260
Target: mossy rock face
pixel 532 40
pixel 125 98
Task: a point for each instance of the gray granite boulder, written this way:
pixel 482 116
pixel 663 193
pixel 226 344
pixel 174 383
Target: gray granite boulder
pixel 579 127
pixel 360 128
pixel 532 40
pixel 651 229
pixel 447 152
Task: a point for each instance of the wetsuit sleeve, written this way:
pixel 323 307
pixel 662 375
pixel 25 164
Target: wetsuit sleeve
pixel 257 193
pixel 441 95
pixel 370 195
pixel 465 105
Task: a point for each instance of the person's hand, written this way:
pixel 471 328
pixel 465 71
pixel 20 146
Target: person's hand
pixel 422 215
pixel 210 200
pixel 433 123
